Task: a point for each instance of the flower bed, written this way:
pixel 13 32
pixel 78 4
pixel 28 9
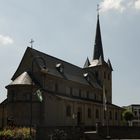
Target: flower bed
pixel 16 133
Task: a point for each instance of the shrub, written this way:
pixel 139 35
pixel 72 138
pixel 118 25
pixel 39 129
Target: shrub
pixel 17 133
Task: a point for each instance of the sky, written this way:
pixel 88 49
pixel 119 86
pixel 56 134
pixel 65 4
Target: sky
pixel 66 29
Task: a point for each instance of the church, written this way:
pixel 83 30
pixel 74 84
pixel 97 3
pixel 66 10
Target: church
pixel 47 91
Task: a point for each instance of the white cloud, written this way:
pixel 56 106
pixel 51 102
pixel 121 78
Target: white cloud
pixel 112 5
pixel 137 4
pixel 6 40
pixel 119 5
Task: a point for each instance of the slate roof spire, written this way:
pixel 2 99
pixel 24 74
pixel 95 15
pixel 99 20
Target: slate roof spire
pixel 98 49
pixel 87 63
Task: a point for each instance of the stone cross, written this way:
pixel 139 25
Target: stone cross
pixel 31 42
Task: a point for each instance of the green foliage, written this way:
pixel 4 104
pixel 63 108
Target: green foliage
pixel 17 133
pixel 128 115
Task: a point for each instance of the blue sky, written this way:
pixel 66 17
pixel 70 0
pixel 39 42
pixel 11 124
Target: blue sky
pixel 66 29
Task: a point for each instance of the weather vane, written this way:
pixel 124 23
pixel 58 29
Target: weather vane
pixel 31 42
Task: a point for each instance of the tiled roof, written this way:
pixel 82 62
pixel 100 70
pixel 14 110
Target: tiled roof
pixel 70 72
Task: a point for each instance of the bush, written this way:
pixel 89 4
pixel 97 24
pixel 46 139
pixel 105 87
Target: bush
pixel 128 116
pixel 17 133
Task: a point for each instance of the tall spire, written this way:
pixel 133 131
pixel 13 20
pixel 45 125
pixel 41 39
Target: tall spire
pixel 98 49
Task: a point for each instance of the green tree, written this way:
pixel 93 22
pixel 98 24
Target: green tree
pixel 128 116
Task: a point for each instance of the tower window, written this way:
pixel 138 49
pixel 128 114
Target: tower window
pixel 104 75
pixel 27 96
pixel 105 91
pixel 108 76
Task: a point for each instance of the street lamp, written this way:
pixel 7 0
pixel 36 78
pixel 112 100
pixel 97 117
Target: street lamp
pixel 31 99
pixel 105 109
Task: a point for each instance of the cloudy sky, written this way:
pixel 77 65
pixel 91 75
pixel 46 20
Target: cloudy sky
pixel 66 29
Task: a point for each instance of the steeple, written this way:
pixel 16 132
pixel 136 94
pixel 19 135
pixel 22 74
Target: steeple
pixel 98 49
pixel 87 63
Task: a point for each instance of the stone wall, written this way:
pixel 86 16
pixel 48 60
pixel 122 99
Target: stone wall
pixel 61 133
pixel 120 132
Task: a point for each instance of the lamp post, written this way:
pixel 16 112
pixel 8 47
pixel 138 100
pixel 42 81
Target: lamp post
pixel 108 136
pixel 31 97
pixel 105 109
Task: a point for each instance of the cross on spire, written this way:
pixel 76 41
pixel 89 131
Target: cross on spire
pixel 31 42
pixel 98 9
pixel 98 49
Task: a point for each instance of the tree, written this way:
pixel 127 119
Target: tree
pixel 128 116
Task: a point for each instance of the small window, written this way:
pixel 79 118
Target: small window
pixel 106 91
pixel 108 76
pixel 96 74
pixel 79 92
pixel 135 113
pixel 68 111
pixel 104 75
pixel 56 87
pixel 89 112
pixel 121 117
pixel 87 94
pixel 71 91
pixel 95 97
pixel 110 115
pixel 116 116
pixel 97 114
pixel 60 67
pixel 104 114
pixel 86 76
pixel 28 97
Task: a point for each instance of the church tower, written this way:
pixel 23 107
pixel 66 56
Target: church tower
pixel 102 70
